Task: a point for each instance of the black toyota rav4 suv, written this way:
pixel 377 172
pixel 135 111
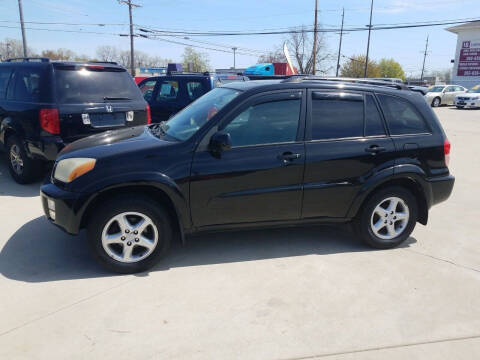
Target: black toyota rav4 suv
pixel 46 104
pixel 254 154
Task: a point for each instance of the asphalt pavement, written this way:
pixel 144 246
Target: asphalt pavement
pixel 309 293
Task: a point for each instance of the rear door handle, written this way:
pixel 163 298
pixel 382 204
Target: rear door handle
pixel 375 149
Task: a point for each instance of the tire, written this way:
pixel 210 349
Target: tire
pixel 460 107
pixel 104 226
pixel 386 236
pixel 23 169
pixel 436 102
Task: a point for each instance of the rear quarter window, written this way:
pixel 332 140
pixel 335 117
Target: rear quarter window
pixel 4 77
pixel 401 116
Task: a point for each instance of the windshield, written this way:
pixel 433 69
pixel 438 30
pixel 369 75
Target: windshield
pixel 436 89
pixel 475 89
pixel 186 123
pixel 80 86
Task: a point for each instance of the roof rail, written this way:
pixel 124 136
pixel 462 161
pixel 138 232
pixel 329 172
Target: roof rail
pixel 188 73
pixel 28 59
pixel 349 80
pixel 103 62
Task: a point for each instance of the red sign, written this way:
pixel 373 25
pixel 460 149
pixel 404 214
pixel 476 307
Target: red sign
pixel 469 60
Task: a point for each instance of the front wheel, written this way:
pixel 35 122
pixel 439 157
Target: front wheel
pixel 460 107
pixel 388 218
pixel 129 234
pixel 436 102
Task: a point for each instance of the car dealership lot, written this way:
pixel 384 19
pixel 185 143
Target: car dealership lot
pixel 270 294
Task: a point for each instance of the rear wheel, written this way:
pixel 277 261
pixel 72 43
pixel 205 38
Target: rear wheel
pixel 129 234
pixel 436 102
pixel 460 107
pixel 388 218
pixel 23 169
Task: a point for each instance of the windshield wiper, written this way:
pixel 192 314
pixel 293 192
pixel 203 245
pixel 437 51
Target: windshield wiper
pixel 160 128
pixel 115 98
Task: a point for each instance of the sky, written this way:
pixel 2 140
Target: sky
pixel 404 45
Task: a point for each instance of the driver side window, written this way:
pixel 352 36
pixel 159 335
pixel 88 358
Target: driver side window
pixel 266 123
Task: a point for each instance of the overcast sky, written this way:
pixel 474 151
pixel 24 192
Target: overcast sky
pixel 406 45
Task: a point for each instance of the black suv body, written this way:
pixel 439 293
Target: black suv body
pixel 168 94
pixel 45 105
pixel 255 154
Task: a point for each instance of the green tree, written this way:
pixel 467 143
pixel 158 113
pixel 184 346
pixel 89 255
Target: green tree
pixel 355 67
pixel 200 61
pixel 389 68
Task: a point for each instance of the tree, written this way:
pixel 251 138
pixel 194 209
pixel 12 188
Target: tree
pixel 200 61
pixel 444 75
pixel 355 68
pixel 59 54
pixel 12 48
pixel 389 68
pixel 107 53
pixel 272 56
pixel 300 44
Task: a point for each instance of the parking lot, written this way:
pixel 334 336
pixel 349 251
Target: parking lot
pixel 314 292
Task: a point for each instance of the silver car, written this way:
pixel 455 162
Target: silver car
pixel 443 94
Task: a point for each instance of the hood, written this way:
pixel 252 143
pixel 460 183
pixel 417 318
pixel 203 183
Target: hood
pixel 113 142
pixel 433 94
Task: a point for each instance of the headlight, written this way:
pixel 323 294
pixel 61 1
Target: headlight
pixel 68 170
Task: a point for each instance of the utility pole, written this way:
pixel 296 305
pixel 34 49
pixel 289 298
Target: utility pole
pixel 234 65
pixel 23 29
pixel 368 44
pixel 315 39
pixel 340 44
pixel 132 55
pixel 424 58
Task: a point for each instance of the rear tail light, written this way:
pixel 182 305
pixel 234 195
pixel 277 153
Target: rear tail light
pixel 149 115
pixel 446 151
pixel 50 121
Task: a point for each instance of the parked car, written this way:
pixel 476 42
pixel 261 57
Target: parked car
pixel 443 94
pixel 471 99
pixel 255 154
pixel 169 94
pixel 45 105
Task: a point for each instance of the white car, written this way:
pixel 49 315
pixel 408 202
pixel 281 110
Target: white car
pixel 443 94
pixel 471 99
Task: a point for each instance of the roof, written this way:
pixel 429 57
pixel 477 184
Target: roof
pixel 473 25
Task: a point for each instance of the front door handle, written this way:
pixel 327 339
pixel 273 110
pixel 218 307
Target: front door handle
pixel 375 149
pixel 288 157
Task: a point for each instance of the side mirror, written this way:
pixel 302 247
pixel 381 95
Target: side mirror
pixel 220 141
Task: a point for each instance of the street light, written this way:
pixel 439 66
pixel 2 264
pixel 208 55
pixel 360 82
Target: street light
pixel 234 65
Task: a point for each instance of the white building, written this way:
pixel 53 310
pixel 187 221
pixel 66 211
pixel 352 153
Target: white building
pixel 466 71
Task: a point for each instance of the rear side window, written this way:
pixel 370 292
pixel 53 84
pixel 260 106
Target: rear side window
pixel 4 77
pixel 167 91
pixel 373 120
pixel 401 116
pixel 337 118
pixel 81 85
pixel 26 86
pixel 147 89
pixel 195 89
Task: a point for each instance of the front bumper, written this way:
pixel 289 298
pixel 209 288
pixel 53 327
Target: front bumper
pixel 68 207
pixel 442 188
pixel 468 103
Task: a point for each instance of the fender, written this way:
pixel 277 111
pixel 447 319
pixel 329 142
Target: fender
pixel 397 172
pixel 7 125
pixel 148 180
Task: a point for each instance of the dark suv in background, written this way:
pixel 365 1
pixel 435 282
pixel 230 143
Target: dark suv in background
pixel 254 154
pixel 170 93
pixel 45 105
